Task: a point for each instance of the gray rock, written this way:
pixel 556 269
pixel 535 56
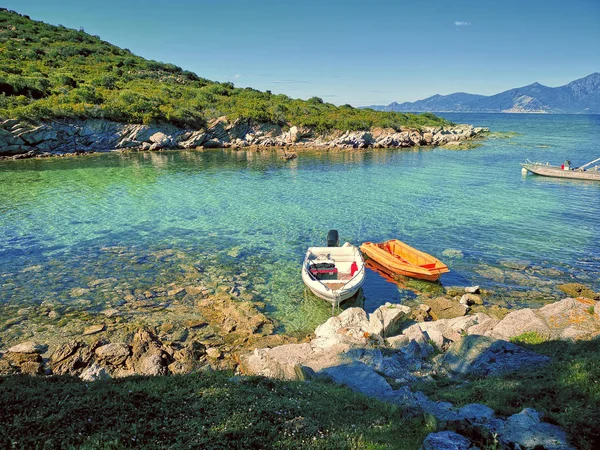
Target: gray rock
pixel 28 347
pixel 161 139
pixel 472 290
pixel 387 319
pixel 447 440
pixel 93 329
pixel 94 373
pixel 471 299
pixel 527 431
pixel 519 322
pixel 476 412
pixel 477 355
pixel 442 308
pixel 361 378
pixel 397 342
pixel 113 354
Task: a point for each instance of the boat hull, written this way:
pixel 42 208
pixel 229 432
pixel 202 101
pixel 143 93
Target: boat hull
pixel 556 172
pixel 403 259
pixel 346 277
pixel 332 295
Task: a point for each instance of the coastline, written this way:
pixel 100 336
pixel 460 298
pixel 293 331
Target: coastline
pixel 20 140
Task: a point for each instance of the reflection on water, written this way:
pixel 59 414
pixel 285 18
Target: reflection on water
pixel 246 218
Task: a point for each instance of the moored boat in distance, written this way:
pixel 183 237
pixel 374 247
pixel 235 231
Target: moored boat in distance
pixel 564 171
pixel 401 258
pixel 333 273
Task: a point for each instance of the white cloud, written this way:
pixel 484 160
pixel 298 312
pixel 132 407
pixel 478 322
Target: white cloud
pixel 237 75
pixel 462 23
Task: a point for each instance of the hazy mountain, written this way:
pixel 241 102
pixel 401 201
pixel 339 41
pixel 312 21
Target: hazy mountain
pixel 578 97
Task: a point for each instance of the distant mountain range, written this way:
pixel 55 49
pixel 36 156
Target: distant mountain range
pixel 578 97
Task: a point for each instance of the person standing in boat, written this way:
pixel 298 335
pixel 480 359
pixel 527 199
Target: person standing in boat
pixel 566 165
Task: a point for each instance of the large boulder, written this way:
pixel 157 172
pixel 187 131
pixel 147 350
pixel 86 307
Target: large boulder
pixel 148 356
pixel 480 356
pixel 519 322
pixel 387 319
pixel 528 432
pixel 113 354
pixel 361 378
pixel 443 308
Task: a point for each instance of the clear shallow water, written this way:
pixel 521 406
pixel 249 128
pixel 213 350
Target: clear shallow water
pixel 140 219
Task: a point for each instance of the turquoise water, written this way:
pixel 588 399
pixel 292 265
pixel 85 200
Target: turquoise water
pixel 138 220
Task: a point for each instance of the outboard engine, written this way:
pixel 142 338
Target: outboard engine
pixel 333 238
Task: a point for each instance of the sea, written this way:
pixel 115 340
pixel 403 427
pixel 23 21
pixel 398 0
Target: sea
pixel 86 231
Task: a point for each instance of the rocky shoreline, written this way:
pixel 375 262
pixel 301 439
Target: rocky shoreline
pixel 384 354
pixel 22 140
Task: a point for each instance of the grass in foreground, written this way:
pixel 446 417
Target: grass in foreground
pixel 207 410
pixel 567 391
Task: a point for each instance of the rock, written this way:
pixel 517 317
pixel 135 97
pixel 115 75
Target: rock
pixel 193 290
pixel 476 413
pixel 71 358
pixel 150 364
pixel 442 308
pixel 516 264
pixel 111 312
pixel 387 320
pixel 175 291
pixel 579 290
pixel 349 327
pixel 213 353
pixel 161 139
pixel 519 322
pixel 113 354
pixel 471 299
pixel 483 327
pixel 397 342
pixel 32 368
pixel 571 318
pixel 147 355
pixel 526 430
pixel 28 347
pixel 361 378
pixel 94 373
pixel 93 329
pixel 472 290
pixel 452 253
pixel 477 355
pixel 446 440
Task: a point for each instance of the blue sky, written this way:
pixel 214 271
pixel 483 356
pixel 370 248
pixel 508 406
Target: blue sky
pixel 350 51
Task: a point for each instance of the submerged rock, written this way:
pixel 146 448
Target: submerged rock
pixel 442 308
pixel 28 347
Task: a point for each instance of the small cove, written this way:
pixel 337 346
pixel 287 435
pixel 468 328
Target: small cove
pixel 85 232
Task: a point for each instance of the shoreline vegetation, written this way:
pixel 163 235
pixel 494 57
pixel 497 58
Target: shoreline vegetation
pixel 63 91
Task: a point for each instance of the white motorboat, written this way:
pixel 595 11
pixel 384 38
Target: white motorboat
pixel 334 273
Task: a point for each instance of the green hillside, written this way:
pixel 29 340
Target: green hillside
pixel 52 72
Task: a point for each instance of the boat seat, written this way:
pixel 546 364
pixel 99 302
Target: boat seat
pixel 428 266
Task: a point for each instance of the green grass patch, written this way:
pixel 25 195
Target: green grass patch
pixel 206 410
pixel 530 337
pixel 567 390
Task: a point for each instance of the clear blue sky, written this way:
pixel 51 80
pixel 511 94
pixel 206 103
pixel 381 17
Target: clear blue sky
pixel 358 52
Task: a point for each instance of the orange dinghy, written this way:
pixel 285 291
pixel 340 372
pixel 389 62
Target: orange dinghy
pixel 400 258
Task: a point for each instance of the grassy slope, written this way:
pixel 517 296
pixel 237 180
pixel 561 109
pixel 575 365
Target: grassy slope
pixel 567 391
pixel 52 72
pixel 209 410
